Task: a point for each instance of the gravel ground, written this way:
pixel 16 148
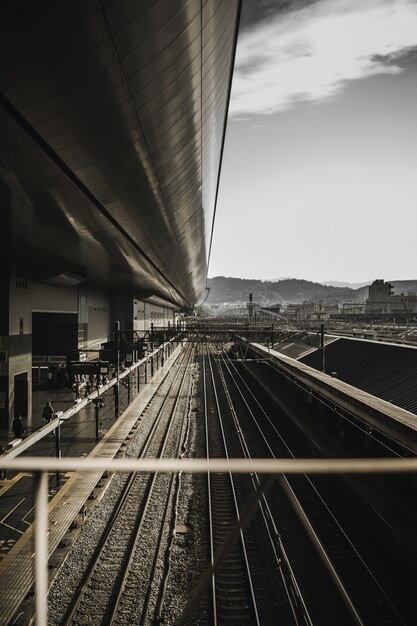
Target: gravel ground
pixel 188 538
pixel 190 553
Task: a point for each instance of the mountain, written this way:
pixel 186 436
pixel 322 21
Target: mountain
pixel 404 286
pixel 237 290
pixel 337 283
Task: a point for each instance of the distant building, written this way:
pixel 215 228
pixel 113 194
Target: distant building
pixel 275 308
pixel 317 311
pixel 353 308
pixel 382 299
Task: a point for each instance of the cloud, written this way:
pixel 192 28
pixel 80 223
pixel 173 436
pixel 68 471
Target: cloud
pixel 309 55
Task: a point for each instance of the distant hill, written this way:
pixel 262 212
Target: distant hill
pixel 237 290
pixel 337 283
pixel 404 285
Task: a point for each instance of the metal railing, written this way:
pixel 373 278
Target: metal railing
pixel 159 354
pixel 40 467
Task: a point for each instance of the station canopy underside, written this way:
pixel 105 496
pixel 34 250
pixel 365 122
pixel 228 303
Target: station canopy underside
pixel 112 125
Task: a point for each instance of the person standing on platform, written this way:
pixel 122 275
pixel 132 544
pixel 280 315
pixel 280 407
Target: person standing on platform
pixel 48 412
pixel 3 473
pixel 17 427
pixel 76 389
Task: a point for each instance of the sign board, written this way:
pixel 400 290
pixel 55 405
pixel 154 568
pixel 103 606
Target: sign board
pixel 88 367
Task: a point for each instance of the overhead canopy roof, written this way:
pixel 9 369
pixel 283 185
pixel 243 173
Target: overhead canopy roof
pixel 384 370
pixel 112 126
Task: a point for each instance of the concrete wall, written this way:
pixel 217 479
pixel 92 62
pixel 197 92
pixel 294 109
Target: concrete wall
pixel 99 319
pixel 145 314
pixel 49 298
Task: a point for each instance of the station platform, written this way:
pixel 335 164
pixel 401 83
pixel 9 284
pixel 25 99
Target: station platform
pixel 17 567
pixel 61 400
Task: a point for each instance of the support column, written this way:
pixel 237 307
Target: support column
pixel 15 344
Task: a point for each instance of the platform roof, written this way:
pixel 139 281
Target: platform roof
pixel 385 370
pixel 112 125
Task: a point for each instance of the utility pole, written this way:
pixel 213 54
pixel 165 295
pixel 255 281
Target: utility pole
pixel 250 307
pixel 322 347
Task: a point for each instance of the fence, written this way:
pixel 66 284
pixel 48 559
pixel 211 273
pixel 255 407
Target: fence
pixel 41 466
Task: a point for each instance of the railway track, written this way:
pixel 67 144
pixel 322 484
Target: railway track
pixel 233 595
pixel 239 591
pixel 276 555
pixel 121 583
pixel 353 552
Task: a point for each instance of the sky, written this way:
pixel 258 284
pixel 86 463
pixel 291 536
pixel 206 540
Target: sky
pixel 319 174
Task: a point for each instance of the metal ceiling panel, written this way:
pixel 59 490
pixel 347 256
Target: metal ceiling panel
pixel 111 136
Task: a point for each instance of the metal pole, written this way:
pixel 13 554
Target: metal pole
pixel 116 387
pixel 117 332
pixel 58 449
pixel 322 347
pixel 41 548
pixel 97 418
pixel 116 400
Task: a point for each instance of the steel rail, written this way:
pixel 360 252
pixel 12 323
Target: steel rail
pixel 210 513
pixel 150 486
pixel 235 501
pixel 178 482
pixel 293 591
pixel 130 560
pixel 70 615
pixel 165 515
pixel 298 507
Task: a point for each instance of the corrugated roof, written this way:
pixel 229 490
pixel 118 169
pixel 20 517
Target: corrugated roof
pixel 385 370
pixel 297 344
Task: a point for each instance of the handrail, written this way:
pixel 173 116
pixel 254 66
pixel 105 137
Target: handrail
pixel 40 466
pixel 196 465
pixel 81 404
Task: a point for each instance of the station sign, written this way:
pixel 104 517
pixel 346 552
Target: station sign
pixel 88 367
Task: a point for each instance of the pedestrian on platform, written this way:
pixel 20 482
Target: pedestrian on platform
pixel 48 412
pixel 76 389
pixel 50 378
pixel 3 473
pixel 17 427
pixel 87 388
